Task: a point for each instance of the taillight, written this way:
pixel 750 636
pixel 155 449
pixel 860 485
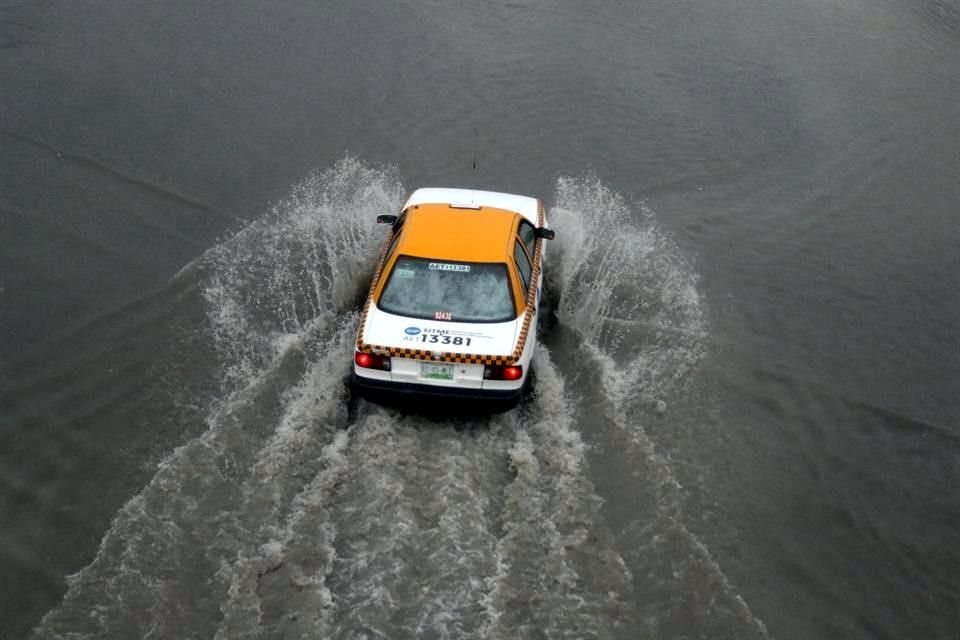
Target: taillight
pixel 512 373
pixel 371 361
pixel 364 360
pixel 497 372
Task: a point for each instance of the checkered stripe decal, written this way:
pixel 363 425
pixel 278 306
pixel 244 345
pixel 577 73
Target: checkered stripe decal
pixel 450 356
pixel 373 285
pixel 442 356
pixel 531 293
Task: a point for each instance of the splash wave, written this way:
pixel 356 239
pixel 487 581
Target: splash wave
pixel 292 516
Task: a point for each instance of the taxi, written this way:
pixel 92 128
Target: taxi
pixel 453 303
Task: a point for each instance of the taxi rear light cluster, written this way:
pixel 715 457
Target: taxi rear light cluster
pixel 498 372
pixel 371 361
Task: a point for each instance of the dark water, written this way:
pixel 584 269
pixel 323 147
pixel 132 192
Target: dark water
pixel 747 418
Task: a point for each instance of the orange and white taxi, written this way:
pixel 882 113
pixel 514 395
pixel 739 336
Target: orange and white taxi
pixel 453 305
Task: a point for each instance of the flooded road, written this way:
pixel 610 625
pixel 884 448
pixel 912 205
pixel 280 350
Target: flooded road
pixel 745 416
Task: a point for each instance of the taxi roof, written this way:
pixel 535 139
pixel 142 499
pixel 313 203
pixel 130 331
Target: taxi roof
pixel 526 206
pixel 443 232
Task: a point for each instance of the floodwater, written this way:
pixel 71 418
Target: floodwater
pixel 746 416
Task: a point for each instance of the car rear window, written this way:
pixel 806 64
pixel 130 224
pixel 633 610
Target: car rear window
pixel 455 291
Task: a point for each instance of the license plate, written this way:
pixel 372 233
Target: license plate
pixel 436 371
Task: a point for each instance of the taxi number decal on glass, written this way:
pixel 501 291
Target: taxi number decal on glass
pixel 446 266
pixel 442 315
pixel 434 338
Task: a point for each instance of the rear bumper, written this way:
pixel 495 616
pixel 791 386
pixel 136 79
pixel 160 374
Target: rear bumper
pixel 375 389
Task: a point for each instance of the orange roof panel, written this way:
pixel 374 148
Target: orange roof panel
pixel 469 235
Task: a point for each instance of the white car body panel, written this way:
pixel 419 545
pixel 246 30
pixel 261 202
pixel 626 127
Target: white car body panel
pixel 526 206
pixel 485 338
pixel 385 333
pixel 493 338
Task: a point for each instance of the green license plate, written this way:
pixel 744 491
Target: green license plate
pixel 436 371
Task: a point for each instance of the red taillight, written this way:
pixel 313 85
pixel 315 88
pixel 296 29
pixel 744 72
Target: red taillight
pixel 371 361
pixel 496 372
pixel 512 373
pixel 364 360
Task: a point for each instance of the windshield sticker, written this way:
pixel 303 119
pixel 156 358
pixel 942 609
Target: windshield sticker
pixel 443 315
pixel 400 272
pixel 446 266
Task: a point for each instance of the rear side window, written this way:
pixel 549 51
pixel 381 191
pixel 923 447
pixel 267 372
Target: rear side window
pixel 393 244
pixel 523 264
pixel 528 235
pixel 454 291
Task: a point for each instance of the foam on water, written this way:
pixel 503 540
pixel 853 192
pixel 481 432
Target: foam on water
pixel 214 504
pixel 487 533
pixel 399 570
pixel 632 297
pixel 306 444
pixel 176 553
pixel 626 289
pixel 301 264
pixel 557 573
pixel 299 553
pixel 289 518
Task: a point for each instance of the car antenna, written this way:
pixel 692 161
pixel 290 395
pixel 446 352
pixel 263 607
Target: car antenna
pixel 476 140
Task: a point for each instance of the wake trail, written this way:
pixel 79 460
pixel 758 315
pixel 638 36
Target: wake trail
pixel 632 299
pixel 168 539
pixel 308 441
pixel 280 590
pixel 181 559
pixel 557 572
pixel 376 528
pixel 673 558
pixel 286 519
pixel 462 528
pixel 415 527
pixel 491 531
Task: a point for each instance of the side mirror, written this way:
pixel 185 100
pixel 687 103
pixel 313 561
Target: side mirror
pixel 386 218
pixel 546 234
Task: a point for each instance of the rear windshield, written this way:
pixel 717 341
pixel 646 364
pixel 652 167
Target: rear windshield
pixel 456 291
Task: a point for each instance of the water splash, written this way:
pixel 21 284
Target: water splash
pixel 287 518
pixel 632 297
pixel 557 571
pixel 279 297
pixel 300 265
pixel 627 289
